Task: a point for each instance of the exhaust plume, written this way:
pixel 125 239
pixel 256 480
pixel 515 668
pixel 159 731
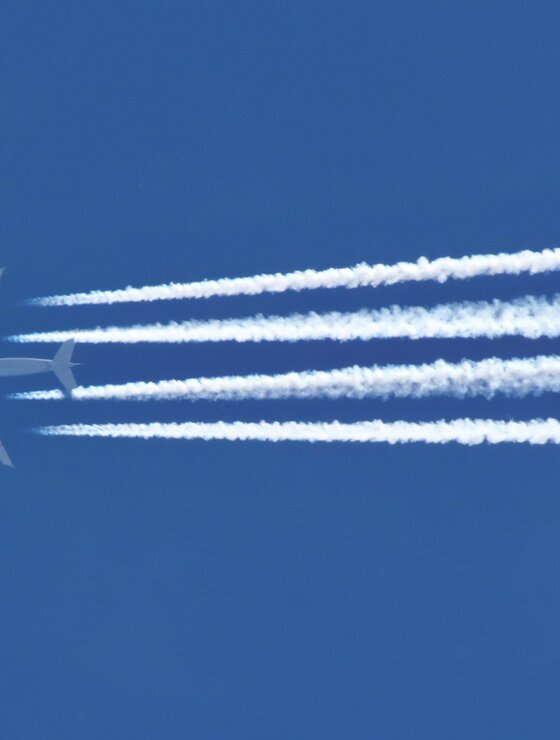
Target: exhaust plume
pixel 516 377
pixel 440 270
pixel 462 431
pixel 529 317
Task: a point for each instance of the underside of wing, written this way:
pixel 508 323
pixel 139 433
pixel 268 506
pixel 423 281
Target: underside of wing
pixel 4 457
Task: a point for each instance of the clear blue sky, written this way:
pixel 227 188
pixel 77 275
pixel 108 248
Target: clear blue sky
pixel 218 590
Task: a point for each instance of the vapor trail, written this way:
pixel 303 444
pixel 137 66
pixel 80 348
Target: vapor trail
pixel 516 377
pixel 463 431
pixel 527 317
pixel 440 270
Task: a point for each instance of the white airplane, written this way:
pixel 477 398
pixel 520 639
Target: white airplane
pixel 61 365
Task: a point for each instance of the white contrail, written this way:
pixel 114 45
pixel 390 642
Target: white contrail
pixel 515 377
pixel 527 317
pixel 463 431
pixel 360 275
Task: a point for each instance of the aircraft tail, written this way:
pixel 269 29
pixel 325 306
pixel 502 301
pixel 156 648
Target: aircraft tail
pixel 62 366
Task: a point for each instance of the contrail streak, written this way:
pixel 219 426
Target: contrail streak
pixel 462 431
pixel 440 270
pixel 527 317
pixel 515 377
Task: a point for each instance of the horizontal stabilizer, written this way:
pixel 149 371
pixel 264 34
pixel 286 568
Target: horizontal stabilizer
pixel 62 366
pixel 64 354
pixel 66 377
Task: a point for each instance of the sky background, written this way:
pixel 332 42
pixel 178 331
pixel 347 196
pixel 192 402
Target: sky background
pixel 247 590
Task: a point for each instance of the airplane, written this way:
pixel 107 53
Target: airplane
pixel 61 365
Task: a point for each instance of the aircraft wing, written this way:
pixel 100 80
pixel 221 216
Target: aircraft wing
pixel 4 457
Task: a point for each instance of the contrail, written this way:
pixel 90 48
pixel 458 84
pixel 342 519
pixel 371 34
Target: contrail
pixel 515 377
pixel 462 431
pixel 527 317
pixel 440 270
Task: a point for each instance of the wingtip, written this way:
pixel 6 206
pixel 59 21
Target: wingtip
pixel 4 457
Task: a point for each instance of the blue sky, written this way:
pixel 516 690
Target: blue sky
pixel 218 590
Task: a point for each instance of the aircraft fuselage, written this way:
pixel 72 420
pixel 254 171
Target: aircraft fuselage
pixel 24 366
